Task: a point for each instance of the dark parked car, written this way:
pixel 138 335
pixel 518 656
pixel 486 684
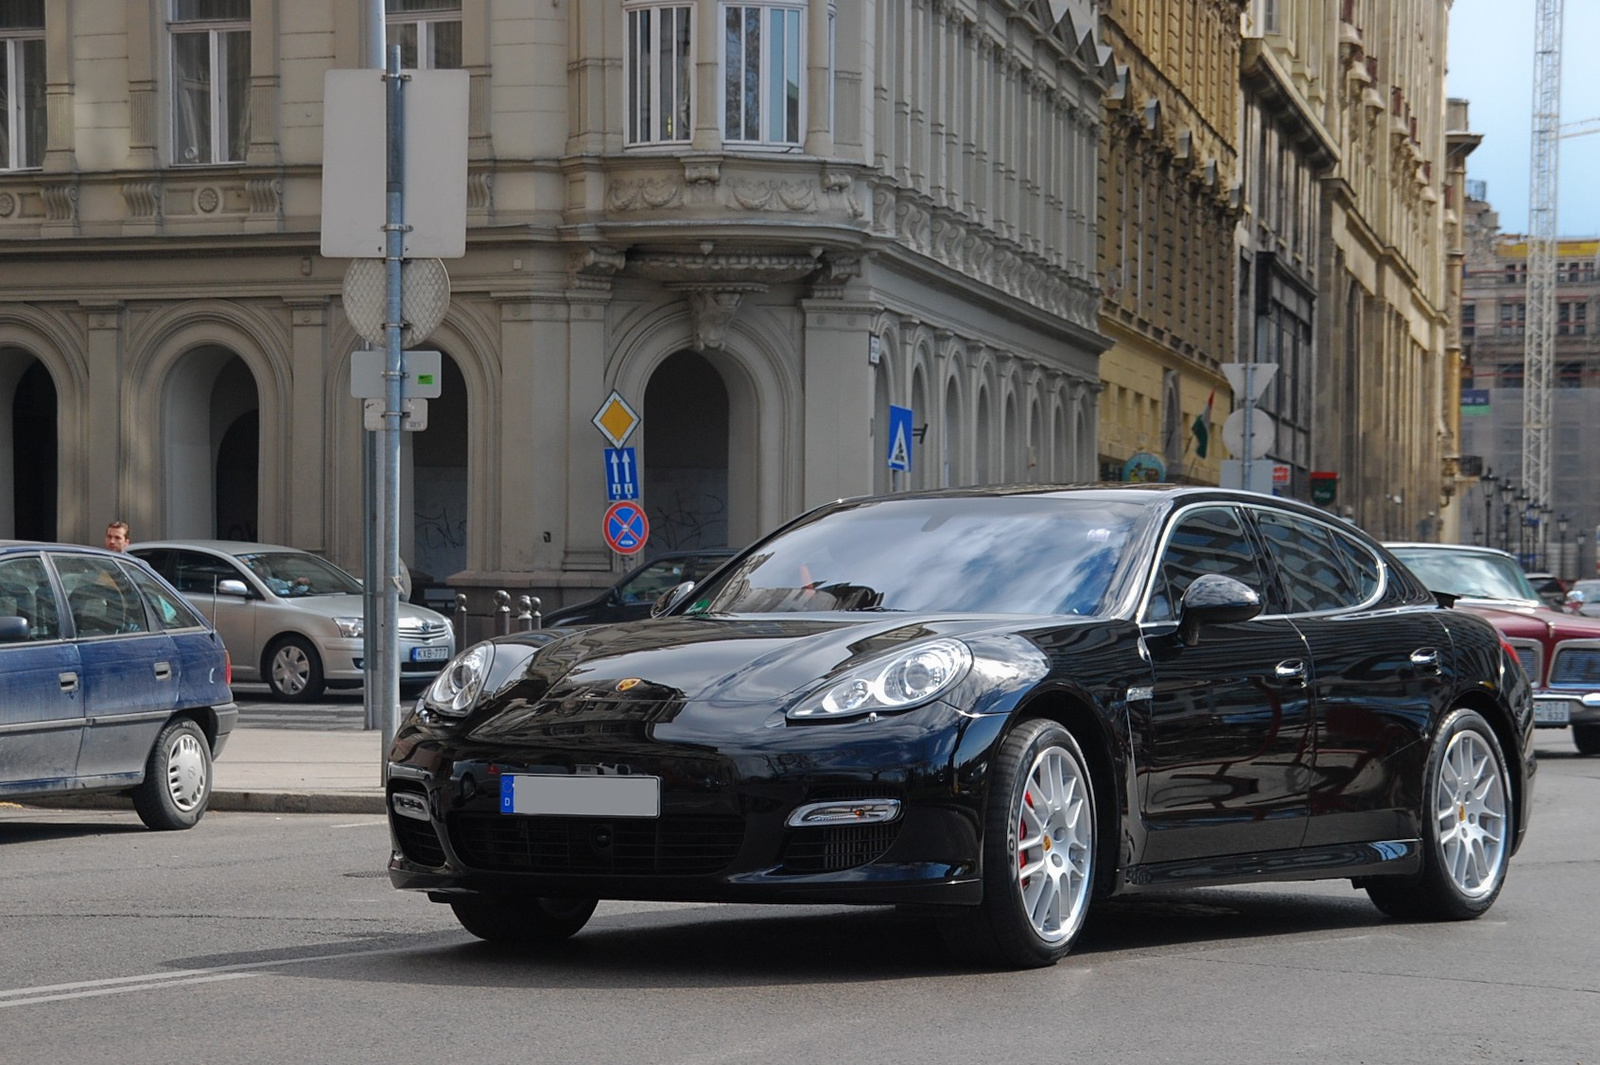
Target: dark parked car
pixel 1559 651
pixel 634 593
pixel 109 681
pixel 993 704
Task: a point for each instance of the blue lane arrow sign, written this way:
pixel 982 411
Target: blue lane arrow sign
pixel 622 481
pixel 899 457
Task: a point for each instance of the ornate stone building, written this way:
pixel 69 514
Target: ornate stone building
pixel 1168 207
pixel 1382 376
pixel 761 223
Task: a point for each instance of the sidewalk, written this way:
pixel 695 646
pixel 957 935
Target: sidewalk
pixel 277 770
pixel 280 770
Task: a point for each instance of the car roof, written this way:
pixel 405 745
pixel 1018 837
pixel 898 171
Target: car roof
pixel 51 545
pixel 225 547
pixel 1479 549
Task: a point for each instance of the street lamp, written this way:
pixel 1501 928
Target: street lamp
pixel 1486 481
pixel 1505 514
pixel 1561 553
pixel 1544 536
pixel 1522 523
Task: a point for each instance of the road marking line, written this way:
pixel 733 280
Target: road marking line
pixel 114 985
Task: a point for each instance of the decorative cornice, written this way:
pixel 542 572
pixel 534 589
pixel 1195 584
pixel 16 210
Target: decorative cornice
pixel 593 266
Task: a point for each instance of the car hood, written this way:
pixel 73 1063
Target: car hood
pixel 722 662
pixel 1531 622
pixel 347 606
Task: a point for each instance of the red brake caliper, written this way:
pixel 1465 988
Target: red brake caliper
pixel 1022 830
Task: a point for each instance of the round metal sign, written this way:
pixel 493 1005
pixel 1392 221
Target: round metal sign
pixel 424 298
pixel 625 527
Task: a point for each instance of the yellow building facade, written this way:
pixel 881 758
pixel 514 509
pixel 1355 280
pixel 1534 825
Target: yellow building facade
pixel 1168 207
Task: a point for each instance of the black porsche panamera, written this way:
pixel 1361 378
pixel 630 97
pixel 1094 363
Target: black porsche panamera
pixel 997 704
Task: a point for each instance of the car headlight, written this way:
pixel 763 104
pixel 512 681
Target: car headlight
pixel 459 684
pixel 911 676
pixel 350 628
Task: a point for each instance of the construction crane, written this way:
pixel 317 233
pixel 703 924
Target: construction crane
pixel 1539 352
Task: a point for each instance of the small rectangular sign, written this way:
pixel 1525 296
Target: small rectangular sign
pixel 424 371
pixel 622 474
pixel 413 415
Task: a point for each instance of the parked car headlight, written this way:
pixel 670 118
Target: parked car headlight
pixel 459 684
pixel 350 628
pixel 911 676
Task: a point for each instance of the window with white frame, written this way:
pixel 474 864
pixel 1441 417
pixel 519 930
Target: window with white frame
pixel 763 68
pixel 659 70
pixel 22 84
pixel 427 31
pixel 210 81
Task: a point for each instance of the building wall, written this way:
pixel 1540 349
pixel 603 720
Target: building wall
pixel 939 199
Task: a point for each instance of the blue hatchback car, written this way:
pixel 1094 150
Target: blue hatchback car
pixel 109 681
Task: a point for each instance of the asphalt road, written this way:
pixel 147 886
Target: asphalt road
pixel 275 938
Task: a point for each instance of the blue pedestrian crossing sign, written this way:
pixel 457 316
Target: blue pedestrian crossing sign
pixel 900 433
pixel 622 474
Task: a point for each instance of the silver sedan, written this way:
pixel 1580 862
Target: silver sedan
pixel 289 617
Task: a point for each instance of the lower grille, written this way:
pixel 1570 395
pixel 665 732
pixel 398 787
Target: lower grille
pixel 418 842
pixel 830 850
pixel 668 846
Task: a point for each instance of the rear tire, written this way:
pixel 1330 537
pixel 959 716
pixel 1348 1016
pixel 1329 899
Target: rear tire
pixel 177 778
pixel 523 922
pixel 1586 738
pixel 294 670
pixel 1466 829
pixel 1038 853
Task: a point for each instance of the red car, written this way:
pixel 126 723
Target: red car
pixel 1559 651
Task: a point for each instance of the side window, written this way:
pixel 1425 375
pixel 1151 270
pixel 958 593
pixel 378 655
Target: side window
pixel 197 574
pixel 25 592
pixel 1211 540
pixel 763 68
pixel 100 598
pixel 1311 568
pixel 648 585
pixel 169 611
pixel 1360 562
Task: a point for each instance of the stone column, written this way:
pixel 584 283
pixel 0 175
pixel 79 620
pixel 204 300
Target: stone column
pixel 838 444
pixel 308 399
pixel 106 456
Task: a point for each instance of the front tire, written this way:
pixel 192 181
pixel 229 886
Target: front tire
pixel 518 922
pixel 1586 738
pixel 1467 829
pixel 177 778
pixel 1038 853
pixel 294 670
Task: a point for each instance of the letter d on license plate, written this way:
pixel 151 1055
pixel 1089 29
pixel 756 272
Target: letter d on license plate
pixel 604 796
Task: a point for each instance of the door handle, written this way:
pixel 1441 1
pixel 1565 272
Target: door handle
pixel 1426 659
pixel 69 682
pixel 1291 673
pixel 163 671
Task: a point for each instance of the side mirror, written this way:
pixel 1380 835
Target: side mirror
pixel 671 598
pixel 13 629
pixel 234 587
pixel 1214 600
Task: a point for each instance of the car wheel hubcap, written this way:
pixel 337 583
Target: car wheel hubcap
pixel 1054 845
pixel 290 668
pixel 1470 805
pixel 186 773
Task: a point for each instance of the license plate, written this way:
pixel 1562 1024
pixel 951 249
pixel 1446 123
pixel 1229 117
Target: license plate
pixel 429 654
pixel 1550 712
pixel 553 796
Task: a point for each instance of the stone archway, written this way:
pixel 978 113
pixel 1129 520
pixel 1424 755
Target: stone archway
pixel 29 458
pixel 212 448
pixel 685 476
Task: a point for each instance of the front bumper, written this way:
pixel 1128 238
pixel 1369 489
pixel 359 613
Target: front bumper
pixel 1560 707
pixel 721 833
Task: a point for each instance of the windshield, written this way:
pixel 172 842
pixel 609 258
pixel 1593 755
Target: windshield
pixel 1006 555
pixel 1468 574
pixel 297 573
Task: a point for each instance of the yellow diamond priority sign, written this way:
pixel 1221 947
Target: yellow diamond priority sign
pixel 616 420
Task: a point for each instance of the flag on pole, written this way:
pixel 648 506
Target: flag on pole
pixel 1202 427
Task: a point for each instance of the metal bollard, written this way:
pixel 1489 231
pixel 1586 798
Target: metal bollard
pixel 502 612
pixel 524 613
pixel 459 620
pixel 538 616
